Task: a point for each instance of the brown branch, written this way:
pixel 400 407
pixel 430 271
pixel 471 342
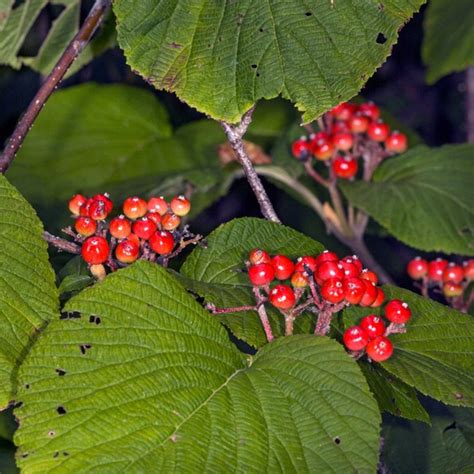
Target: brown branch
pixel 234 135
pixel 61 244
pixel 73 50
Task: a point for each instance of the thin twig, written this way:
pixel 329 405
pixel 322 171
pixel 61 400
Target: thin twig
pixel 263 314
pixel 93 20
pixel 315 175
pixel 61 244
pixel 470 104
pixel 214 310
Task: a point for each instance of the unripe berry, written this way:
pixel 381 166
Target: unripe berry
pixel 397 312
pixel 162 242
pixel 282 297
pixel 261 274
pixel 354 289
pixel 373 325
pixel 170 221
pixel 358 123
pixel 379 299
pixel 95 250
pixel 85 226
pixel 301 148
pixel 299 280
pixel 343 141
pixel 396 142
pixel 120 227
pixel 345 168
pixel 134 207
pixel 378 131
pixel 370 293
pixel 283 267
pixel 436 269
pixel 452 289
pixel 257 256
pixel 417 268
pixel 127 251
pixel 332 290
pixel 369 109
pixel 379 349
pixel 367 274
pixel 75 203
pixel 453 273
pixel 328 270
pixel 158 204
pixel 144 228
pixel 468 267
pixel 180 206
pixel 355 338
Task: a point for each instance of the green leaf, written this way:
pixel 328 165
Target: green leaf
pixel 423 197
pixel 28 296
pixel 5 10
pixel 222 57
pixel 191 401
pixel 449 36
pixel 435 354
pixel 215 272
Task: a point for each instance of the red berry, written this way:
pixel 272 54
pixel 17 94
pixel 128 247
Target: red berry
pixel 259 256
pixel 282 296
pixel 98 210
pixel 354 289
pixel 283 267
pixel 84 210
pixel 469 269
pixel 366 274
pixel 322 148
pixel 180 206
pixel 155 217
pixel 301 148
pixel 396 142
pixel 355 338
pixel 341 126
pixel 134 238
pixel 328 270
pixel 326 256
pixel 356 261
pixel 378 131
pixel 261 274
pixel 379 299
pixel 373 325
pixel 134 207
pixel 332 290
pixel 358 123
pixel 144 228
pixel 109 205
pixel 343 111
pixel 436 269
pixel 158 204
pixel 170 221
pixel 453 273
pixel 85 226
pixel 120 227
pixel 370 294
pixel 369 109
pixel 452 290
pixel 95 250
pixel 345 168
pixel 127 251
pixel 379 349
pixel 397 311
pixel 303 264
pixel 417 268
pixel 162 242
pixel 343 140
pixel 76 202
pixel 350 268
pixel 299 280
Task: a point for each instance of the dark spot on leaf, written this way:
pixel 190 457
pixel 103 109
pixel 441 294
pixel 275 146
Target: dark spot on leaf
pixel 452 426
pixel 458 396
pixel 261 30
pixel 65 453
pixel 176 45
pixel 209 45
pixel 258 74
pixel 94 319
pixel 27 386
pixel 84 348
pixel 253 66
pixel 18 405
pixel 56 454
pixel 61 372
pixel 308 14
pixel 381 7
pixel 393 400
pixel 51 434
pixel 61 410
pixel 381 38
pixel 24 455
pixel 337 440
pixel 73 315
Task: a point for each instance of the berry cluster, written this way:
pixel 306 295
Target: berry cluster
pixel 146 229
pixel 345 134
pixel 450 278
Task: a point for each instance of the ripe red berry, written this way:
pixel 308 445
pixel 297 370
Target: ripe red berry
pixel 282 296
pixel 373 325
pixel 378 131
pixel 305 264
pixel 453 273
pixel 85 226
pixel 327 270
pixel 397 311
pixel 299 280
pixel 379 299
pixel 344 167
pixel 301 148
pixel 350 268
pixel 127 251
pixel 396 142
pixel 355 338
pixel 261 274
pixel 162 242
pixel 356 261
pixel 76 202
pixel 257 256
pixel 98 210
pixel 326 256
pixel 358 123
pixel 343 141
pixel 436 269
pixel 134 238
pixel 180 206
pixel 322 148
pixel 144 228
pixel 379 349
pixel 120 227
pixel 417 268
pixel 84 209
pixel 469 269
pixel 343 111
pixel 283 267
pixel 105 198
pixel 332 290
pixel 95 250
pixel 158 204
pixel 154 216
pixel 134 207
pixel 370 294
pixel 341 126
pixel 367 274
pixel 354 289
pixel 452 290
pixel 170 221
pixel 369 109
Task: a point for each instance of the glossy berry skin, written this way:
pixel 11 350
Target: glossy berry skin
pixel 84 210
pixel 356 261
pixel 95 250
pixel 341 126
pixel 397 311
pixel 127 251
pixel 283 267
pixel 332 290
pixel 468 267
pixel 369 275
pixel 396 142
pixel 144 228
pixel 379 349
pixel 154 216
pixel 358 123
pixel 282 297
pixel 370 294
pixel 120 227
pixel 109 205
pixel 326 256
pixel 343 141
pixel 299 280
pixel 98 210
pixel 170 221
pixel 378 131
pixel 134 238
pixel 436 269
pixel 344 168
pixel 162 242
pixel 75 203
pixel 354 289
pixel 180 206
pixel 257 256
pixel 355 338
pixel 379 299
pixel 301 148
pixel 261 274
pixel 343 111
pixel 323 150
pixel 417 268
pixel 373 325
pixel 134 207
pixel 350 268
pixel 85 226
pixel 453 273
pixel 328 270
pixel 305 264
pixel 452 290
pixel 370 110
pixel 158 204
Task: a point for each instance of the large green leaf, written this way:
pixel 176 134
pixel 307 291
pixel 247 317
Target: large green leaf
pixel 221 57
pixel 28 296
pixel 449 36
pixel 436 353
pixel 424 198
pixel 146 381
pixel 215 272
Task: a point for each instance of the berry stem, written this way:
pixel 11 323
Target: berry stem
pixel 214 310
pixel 263 314
pixel 315 175
pixel 61 244
pixel 75 47
pixel 393 328
pixel 289 320
pixel 234 135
